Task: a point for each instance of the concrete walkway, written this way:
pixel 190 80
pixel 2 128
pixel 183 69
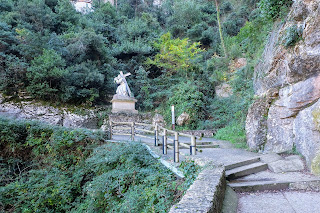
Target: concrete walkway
pixel 279 202
pixel 301 200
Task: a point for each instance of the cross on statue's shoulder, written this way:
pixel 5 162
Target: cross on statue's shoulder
pixel 125 75
pixel 123 88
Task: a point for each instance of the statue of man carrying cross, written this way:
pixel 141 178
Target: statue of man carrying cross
pixel 123 88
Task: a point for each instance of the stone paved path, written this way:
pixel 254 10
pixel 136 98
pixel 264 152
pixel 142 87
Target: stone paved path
pixel 252 202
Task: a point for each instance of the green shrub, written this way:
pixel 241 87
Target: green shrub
pixel 293 35
pixel 45 75
pixel 68 171
pixel 272 9
pixel 186 97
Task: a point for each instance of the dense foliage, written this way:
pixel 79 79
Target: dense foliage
pixel 51 52
pixel 272 9
pixel 54 169
pixel 173 51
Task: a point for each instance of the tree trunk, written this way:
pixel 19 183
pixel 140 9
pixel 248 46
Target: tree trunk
pixel 220 29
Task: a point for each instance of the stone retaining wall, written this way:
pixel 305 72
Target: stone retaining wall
pixel 130 117
pixel 206 194
pixel 48 114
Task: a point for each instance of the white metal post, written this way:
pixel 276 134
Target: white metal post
pixel 173 117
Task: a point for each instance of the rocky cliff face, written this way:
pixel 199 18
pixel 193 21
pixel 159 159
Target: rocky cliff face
pixel 48 114
pixel 286 113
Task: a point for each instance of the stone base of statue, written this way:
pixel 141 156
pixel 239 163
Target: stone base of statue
pixel 123 104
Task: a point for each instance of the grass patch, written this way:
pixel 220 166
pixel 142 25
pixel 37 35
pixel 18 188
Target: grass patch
pixel 235 133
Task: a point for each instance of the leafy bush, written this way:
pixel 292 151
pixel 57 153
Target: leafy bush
pixel 272 9
pixel 82 82
pixel 293 35
pixel 186 97
pixel 175 54
pixel 66 170
pixel 233 24
pixel 45 75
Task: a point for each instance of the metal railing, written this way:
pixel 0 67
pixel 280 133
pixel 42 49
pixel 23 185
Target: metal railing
pixel 143 130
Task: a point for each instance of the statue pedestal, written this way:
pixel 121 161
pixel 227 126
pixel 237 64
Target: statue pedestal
pixel 123 104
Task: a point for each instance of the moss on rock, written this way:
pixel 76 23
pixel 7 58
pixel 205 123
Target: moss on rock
pixel 316 118
pixel 315 165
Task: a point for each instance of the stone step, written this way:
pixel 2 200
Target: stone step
pixel 241 163
pixel 253 186
pixel 205 143
pixel 246 170
pixel 258 186
pixel 208 146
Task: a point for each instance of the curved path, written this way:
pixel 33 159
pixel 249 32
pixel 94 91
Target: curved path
pixel 296 192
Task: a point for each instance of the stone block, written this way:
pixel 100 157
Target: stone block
pixel 291 164
pixel 123 104
pixel 184 118
pixel 224 90
pixel 271 157
pixel 72 120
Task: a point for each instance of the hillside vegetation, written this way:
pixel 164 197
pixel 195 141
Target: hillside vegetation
pixel 54 169
pixel 173 51
pixel 177 54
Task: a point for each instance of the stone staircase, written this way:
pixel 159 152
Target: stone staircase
pixel 244 168
pixel 253 175
pixel 262 175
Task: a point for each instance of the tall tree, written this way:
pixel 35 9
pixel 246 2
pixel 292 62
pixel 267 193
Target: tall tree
pixel 220 29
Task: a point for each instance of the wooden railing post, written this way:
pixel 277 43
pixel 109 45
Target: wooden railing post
pixel 176 147
pixel 132 131
pixel 110 126
pixel 193 147
pixel 165 142
pixel 156 135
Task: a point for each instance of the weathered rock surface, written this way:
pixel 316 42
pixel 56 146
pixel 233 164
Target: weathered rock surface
pixel 256 123
pixel 10 110
pixel 279 131
pixel 49 114
pixel 46 114
pixel 129 117
pixel 289 164
pixel 307 136
pixel 240 62
pixel 237 63
pixel 289 120
pixel 223 90
pixel 73 120
pixel 183 119
pixel 270 157
pixel 283 66
pixel 158 119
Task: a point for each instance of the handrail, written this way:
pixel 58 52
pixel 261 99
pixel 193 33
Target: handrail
pixel 144 130
pixel 142 124
pixel 114 125
pixel 122 128
pixel 120 122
